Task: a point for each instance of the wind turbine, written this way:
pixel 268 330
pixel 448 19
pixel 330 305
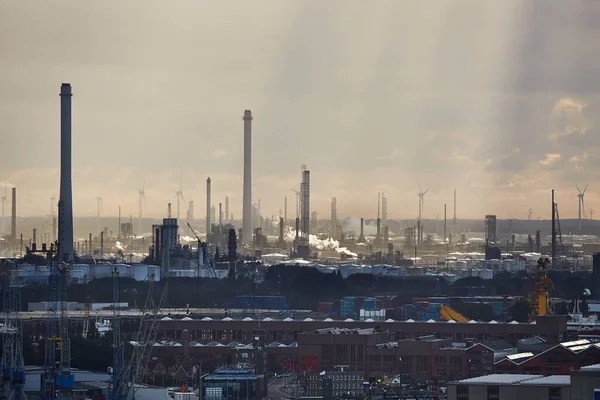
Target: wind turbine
pixel 179 195
pixel 4 199
pixel 297 202
pixel 421 195
pixel 141 203
pixel 581 203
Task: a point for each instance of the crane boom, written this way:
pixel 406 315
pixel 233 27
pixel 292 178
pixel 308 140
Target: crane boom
pixel 203 251
pixel 448 314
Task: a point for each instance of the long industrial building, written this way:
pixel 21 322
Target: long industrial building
pixel 286 331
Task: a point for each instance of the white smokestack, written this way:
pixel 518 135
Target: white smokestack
pixel 13 218
pixel 208 221
pixel 65 203
pixel 247 204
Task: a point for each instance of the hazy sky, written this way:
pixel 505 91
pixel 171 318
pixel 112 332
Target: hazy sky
pixel 496 98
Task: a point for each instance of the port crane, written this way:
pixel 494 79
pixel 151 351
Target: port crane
pixel 539 297
pixel 57 381
pixel 130 374
pixel 205 254
pixel 13 366
pixel 449 314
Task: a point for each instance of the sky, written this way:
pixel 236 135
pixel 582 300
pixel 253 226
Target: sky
pixel 498 99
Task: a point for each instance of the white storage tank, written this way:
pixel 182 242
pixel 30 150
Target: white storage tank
pixel 184 396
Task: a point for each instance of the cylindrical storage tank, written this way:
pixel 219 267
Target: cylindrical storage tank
pixel 140 272
pixel 77 275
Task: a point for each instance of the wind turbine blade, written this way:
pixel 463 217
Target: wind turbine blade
pixel 426 191
pixel 584 189
pixel 579 190
pixel 420 190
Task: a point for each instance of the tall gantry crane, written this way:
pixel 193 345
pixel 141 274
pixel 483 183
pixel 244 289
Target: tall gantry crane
pixel 13 367
pixel 204 255
pixel 7 342
pixel 539 297
pixel 130 375
pixel 117 369
pixel 57 381
pixel 17 378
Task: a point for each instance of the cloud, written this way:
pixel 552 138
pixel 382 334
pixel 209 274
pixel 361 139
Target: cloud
pixel 219 153
pixel 550 159
pixel 341 87
pixel 568 113
pixel 393 155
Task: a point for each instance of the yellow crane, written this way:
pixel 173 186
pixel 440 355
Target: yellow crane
pixel 539 297
pixel 448 314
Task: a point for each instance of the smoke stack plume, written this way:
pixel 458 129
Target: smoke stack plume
pixel 208 207
pixel 247 203
pixel 65 203
pixel 13 216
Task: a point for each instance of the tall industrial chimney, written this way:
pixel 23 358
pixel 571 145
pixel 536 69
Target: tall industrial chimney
pixel 208 206
pixel 334 234
pixel 13 216
pixel 454 227
pixel 220 214
pixel 553 243
pixel 361 238
pixel 305 212
pixel 226 208
pixel 247 203
pixel 445 219
pixel 65 202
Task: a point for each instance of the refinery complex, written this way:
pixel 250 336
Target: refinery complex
pixel 176 342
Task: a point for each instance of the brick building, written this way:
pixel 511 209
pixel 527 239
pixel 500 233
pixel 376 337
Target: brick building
pixel 226 330
pixel 323 349
pixel 561 359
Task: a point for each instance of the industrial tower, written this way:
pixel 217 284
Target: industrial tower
pixel 247 201
pixel 57 375
pixel 13 367
pixel 117 369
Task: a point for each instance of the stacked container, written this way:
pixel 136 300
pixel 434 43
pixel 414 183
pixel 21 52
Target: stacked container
pixel 348 307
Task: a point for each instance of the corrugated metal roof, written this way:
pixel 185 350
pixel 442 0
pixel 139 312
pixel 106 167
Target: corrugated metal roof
pixel 552 380
pixel 498 379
